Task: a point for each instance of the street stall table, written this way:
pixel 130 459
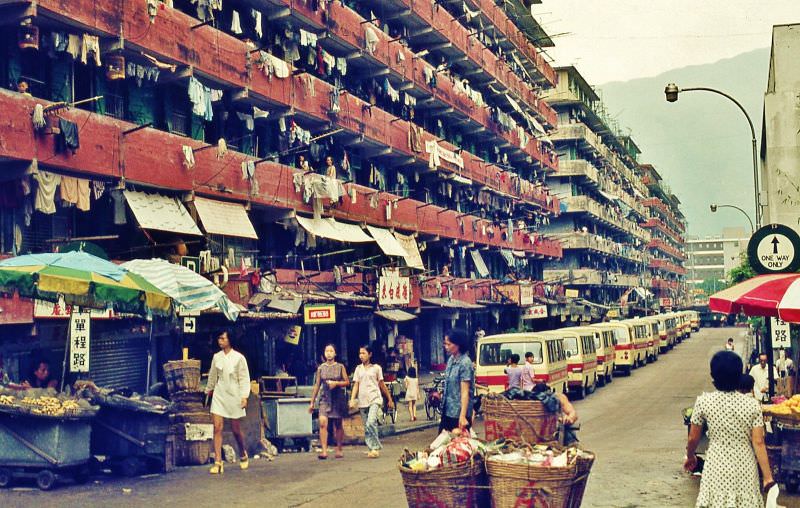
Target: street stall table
pixel 45 442
pixel 287 421
pixel 784 443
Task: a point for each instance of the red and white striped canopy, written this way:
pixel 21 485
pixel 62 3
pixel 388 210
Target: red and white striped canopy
pixel 775 295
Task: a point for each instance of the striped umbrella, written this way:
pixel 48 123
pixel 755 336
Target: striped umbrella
pixel 774 295
pixel 81 279
pixel 188 289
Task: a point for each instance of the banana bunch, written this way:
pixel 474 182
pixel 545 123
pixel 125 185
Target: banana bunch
pixel 7 400
pixel 48 406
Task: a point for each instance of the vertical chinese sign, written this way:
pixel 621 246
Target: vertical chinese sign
pixel 79 340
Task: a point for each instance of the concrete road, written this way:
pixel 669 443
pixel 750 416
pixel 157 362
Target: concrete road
pixel 634 425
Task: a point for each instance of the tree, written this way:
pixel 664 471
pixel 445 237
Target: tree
pixel 742 272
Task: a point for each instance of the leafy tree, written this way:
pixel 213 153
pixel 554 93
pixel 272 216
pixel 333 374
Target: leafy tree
pixel 742 272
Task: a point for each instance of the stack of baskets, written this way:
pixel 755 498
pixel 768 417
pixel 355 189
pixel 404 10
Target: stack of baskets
pixel 183 384
pixel 463 484
pixel 525 420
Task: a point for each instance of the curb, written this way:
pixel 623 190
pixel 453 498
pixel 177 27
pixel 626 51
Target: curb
pixel 392 430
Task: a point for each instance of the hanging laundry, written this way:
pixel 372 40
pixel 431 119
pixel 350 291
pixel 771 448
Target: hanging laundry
pixel 259 113
pixel 414 138
pixel 98 188
pixel 249 124
pixel 248 170
pixel 308 38
pixel 222 148
pixel 69 190
pixel 271 64
pixel 68 138
pixel 370 39
pixel 393 94
pixel 90 44
pixel 257 22
pixel 59 41
pixel 161 65
pixel 341 65
pixel 84 195
pixel 188 157
pixel 152 10
pixel 334 106
pixel 44 200
pixel 118 197
pixel 236 24
pixel 39 122
pixel 308 80
pixel 74 45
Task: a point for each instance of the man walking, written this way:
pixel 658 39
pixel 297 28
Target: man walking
pixel 760 374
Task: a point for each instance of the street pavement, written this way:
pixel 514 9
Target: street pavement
pixel 634 425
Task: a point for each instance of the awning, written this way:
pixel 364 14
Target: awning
pixel 461 180
pixel 396 315
pixel 333 230
pixel 161 213
pixel 223 218
pixel 643 293
pixel 609 196
pixel 387 242
pixel 449 303
pixel 480 265
pixel 413 257
pixel 291 305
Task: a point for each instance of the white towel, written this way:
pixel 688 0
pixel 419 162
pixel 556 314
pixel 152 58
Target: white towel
pixel 236 25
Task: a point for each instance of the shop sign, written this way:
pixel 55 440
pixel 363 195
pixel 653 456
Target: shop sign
pixel 535 312
pixel 191 262
pixel 526 296
pixel 59 310
pixel 781 337
pixel 322 314
pixel 293 335
pixel 665 302
pixel 79 341
pixel 394 290
pixel 613 313
pixel 571 293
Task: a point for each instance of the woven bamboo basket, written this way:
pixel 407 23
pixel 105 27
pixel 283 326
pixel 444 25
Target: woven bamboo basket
pixel 515 485
pixel 582 469
pixel 521 420
pixel 182 375
pixel 189 453
pixel 462 485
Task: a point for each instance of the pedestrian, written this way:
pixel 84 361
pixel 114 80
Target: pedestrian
pixel 367 388
pixel 514 373
pixel 729 345
pixel 412 392
pixel 785 364
pixel 736 440
pixel 229 387
pixel 331 379
pixel 760 374
pixel 528 373
pixel 746 383
pixel 459 382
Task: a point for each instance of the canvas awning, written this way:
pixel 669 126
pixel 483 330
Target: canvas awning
pixel 508 256
pixel 387 242
pixel 450 303
pixel 413 257
pixel 395 315
pixel 223 218
pixel 480 265
pixel 333 230
pixel 643 293
pixel 161 213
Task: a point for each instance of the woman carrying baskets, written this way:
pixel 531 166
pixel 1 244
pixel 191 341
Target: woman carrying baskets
pixel 459 382
pixel 332 379
pixel 229 384
pixel 736 440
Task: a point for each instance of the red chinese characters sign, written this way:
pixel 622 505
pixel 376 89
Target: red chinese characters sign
pixel 393 289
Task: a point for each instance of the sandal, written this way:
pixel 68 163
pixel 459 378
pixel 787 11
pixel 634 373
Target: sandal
pixel 767 486
pixel 322 456
pixel 339 455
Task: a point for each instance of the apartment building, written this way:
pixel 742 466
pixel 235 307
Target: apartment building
pixel 386 159
pixel 712 258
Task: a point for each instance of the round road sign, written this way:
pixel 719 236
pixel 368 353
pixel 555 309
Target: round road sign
pixel 775 248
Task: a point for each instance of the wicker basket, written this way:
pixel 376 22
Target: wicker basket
pixel 521 420
pixel 515 485
pixel 463 485
pixel 182 375
pixel 583 467
pixel 189 453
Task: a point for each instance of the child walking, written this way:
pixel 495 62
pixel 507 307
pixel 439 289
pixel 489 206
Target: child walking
pixel 367 388
pixel 412 392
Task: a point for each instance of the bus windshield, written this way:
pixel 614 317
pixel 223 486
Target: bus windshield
pixel 623 337
pixel 571 346
pixel 499 352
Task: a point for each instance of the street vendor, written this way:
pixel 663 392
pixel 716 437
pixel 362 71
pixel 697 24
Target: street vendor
pixel 41 376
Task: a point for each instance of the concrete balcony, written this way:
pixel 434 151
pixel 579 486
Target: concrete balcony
pixel 598 243
pixel 578 167
pixel 606 215
pixel 580 132
pixel 592 277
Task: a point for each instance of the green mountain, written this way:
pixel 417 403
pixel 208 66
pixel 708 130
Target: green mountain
pixel 701 143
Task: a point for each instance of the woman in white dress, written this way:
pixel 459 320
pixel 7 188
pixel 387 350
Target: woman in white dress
pixel 736 441
pixel 229 384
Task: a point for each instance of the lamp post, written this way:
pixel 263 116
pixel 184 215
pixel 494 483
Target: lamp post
pixel 671 92
pixel 714 208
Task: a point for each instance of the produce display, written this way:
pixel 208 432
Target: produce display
pixel 44 403
pixel 784 407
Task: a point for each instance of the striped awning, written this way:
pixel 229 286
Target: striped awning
pixel 190 291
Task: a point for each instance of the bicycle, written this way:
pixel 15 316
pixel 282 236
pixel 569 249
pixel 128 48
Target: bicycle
pixel 433 398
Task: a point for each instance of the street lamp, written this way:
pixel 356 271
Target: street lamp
pixel 714 208
pixel 671 92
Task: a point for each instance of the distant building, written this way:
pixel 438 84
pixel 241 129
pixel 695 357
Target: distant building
pixel 780 143
pixel 713 258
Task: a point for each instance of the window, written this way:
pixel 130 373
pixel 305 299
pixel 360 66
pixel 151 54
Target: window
pixel 571 346
pixel 498 354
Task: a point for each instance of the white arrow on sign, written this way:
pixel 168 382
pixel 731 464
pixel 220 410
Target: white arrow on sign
pixel 189 325
pixel 776 252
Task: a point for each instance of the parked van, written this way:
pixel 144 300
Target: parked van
pixel 629 352
pixel 549 359
pixel 641 336
pixel 581 359
pixel 686 322
pixel 653 339
pixel 694 320
pixel 604 346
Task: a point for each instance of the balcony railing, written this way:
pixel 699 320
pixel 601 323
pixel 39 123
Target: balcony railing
pixel 592 277
pixel 605 214
pixel 600 244
pixel 662 264
pixel 578 167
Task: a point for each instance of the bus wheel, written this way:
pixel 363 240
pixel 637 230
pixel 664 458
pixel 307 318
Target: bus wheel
pixel 626 370
pixel 580 393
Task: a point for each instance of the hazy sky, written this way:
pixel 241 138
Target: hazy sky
pixel 617 40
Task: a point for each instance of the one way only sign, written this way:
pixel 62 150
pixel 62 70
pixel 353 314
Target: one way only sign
pixel 774 248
